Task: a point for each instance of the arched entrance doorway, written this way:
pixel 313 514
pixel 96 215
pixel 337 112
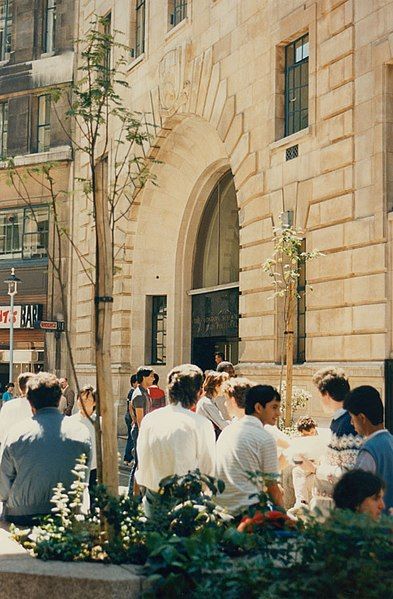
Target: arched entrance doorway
pixel 215 293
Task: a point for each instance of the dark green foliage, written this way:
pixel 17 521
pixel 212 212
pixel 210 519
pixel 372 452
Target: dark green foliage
pixel 190 549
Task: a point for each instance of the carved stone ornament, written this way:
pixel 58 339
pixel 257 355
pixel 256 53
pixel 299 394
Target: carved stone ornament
pixel 173 90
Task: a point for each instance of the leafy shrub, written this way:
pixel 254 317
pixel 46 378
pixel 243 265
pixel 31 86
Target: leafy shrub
pixel 190 547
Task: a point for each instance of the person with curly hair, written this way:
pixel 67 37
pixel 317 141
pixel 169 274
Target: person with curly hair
pixel 360 491
pixel 345 443
pixel 174 440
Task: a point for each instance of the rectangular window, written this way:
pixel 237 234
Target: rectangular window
pixel 140 27
pixel 158 329
pixel 300 355
pixel 49 26
pixel 5 28
pixel 177 11
pixel 296 85
pixel 107 57
pixel 3 129
pixel 24 233
pixel 43 132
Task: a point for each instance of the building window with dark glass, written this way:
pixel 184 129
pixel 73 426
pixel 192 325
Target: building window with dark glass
pixel 24 233
pixel 140 27
pixel 108 35
pixel 300 351
pixel 49 26
pixel 3 129
pixel 43 132
pixel 296 85
pixel 177 11
pixel 5 28
pixel 158 329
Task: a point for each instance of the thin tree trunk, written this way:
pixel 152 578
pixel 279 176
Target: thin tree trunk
pixel 103 331
pixel 289 355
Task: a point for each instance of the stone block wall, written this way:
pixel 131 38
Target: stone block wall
pixel 214 86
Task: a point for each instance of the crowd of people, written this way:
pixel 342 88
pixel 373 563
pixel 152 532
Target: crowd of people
pixel 226 426
pixel 222 424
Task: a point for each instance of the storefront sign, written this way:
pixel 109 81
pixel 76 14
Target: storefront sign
pixel 24 316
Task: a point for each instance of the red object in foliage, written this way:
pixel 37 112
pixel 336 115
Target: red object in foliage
pixel 270 519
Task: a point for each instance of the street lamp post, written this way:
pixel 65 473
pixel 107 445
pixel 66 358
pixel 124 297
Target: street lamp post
pixel 12 282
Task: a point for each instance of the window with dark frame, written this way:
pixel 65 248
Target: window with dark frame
pixel 5 28
pixel 140 27
pixel 24 233
pixel 3 129
pixel 49 26
pixel 43 123
pixel 177 11
pixel 300 355
pixel 296 85
pixel 108 32
pixel 158 329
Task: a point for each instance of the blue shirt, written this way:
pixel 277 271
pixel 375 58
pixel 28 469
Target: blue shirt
pixel 7 396
pixel 38 453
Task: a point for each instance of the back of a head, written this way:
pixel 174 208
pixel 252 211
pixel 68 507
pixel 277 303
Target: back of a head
pixel 142 372
pixel 365 400
pixel 156 379
pixel 133 379
pixel 214 380
pixel 23 379
pixel 237 388
pixel 333 381
pixel 226 367
pixel 43 391
pixel 262 394
pixel 306 423
pixel 354 487
pixel 184 384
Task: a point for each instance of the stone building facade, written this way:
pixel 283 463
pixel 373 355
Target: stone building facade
pixel 288 106
pixel 36 53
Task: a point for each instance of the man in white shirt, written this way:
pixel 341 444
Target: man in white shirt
pixel 16 410
pixel 174 440
pixel 245 446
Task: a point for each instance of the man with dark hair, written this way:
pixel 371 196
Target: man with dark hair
pixel 39 452
pixel 139 406
pixel 68 397
pixel 333 385
pixel 245 446
pixel 9 393
pixel 128 420
pixel 366 408
pixel 344 444
pixel 156 394
pixel 173 439
pixel 16 410
pixel 219 357
pixel 360 491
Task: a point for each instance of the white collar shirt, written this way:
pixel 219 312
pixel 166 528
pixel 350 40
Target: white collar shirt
pixel 173 440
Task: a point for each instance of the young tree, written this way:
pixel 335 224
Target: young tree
pixel 284 269
pixel 118 167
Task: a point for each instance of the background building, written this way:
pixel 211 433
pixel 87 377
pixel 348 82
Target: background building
pixel 258 108
pixel 36 52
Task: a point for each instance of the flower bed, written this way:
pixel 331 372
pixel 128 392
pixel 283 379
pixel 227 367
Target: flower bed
pixel 191 547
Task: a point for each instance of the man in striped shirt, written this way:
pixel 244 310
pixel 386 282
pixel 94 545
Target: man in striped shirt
pixel 245 446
